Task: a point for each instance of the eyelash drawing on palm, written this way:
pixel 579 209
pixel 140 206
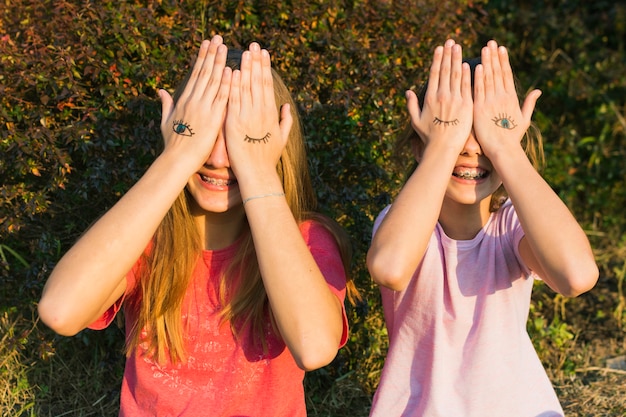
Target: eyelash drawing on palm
pixel 438 121
pixel 258 140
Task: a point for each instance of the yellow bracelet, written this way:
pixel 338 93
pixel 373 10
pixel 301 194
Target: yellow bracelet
pixel 263 196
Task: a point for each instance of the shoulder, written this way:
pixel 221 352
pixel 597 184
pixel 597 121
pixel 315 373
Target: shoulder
pixel 325 238
pixel 504 225
pixel 509 229
pixel 327 249
pixel 506 217
pixel 319 231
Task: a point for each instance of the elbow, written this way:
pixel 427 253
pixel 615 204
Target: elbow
pixel 315 356
pixel 387 274
pixel 54 317
pixel 580 280
pixel 315 350
pixel 585 283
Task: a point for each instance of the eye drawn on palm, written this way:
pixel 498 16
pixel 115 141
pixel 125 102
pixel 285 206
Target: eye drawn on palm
pixel 192 124
pixel 499 121
pixel 447 109
pixel 254 136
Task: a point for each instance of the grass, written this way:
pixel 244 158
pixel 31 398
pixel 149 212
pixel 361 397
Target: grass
pixel 44 375
pixel 16 393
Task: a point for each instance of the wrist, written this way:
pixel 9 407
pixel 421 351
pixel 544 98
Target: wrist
pixel 177 164
pixel 256 197
pixel 260 183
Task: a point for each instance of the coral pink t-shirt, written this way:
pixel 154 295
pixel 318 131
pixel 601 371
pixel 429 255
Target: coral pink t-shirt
pixel 458 344
pixel 222 377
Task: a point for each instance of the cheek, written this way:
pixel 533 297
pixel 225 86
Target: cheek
pixel 495 179
pixel 496 185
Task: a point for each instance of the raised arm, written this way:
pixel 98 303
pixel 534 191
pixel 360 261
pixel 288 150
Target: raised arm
pixel 444 124
pixel 309 316
pixel 90 277
pixel 554 246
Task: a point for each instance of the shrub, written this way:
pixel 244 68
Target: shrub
pixel 79 124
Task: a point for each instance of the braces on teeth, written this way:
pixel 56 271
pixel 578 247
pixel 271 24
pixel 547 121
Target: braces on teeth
pixel 215 181
pixel 468 175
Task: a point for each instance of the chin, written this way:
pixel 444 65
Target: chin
pixel 217 208
pixel 208 205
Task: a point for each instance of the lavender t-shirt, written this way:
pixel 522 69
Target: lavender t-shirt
pixel 457 332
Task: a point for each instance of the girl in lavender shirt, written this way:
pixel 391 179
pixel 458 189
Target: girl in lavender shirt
pixel 456 253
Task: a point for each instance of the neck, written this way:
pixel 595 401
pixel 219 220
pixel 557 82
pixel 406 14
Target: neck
pixel 219 230
pixel 463 221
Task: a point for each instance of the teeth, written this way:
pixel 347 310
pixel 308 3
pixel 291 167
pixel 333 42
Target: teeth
pixel 216 181
pixel 469 174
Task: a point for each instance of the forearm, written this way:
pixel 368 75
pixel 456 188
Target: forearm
pixel 309 316
pixel 558 249
pixel 399 243
pixel 87 279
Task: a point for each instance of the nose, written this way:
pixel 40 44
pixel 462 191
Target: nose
pixel 219 155
pixel 472 147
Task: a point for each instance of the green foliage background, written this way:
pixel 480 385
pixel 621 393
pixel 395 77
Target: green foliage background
pixel 79 118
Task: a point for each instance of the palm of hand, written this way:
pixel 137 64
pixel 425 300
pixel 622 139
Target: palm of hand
pixel 499 121
pixel 192 125
pixel 446 116
pixel 253 134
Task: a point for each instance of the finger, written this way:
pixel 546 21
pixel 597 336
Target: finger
pixel 203 77
pixel 256 76
pixel 286 121
pixel 203 66
pixel 495 65
pixel 456 67
pixel 223 94
pixel 487 76
pixel 412 105
pixel 446 66
pixel 529 104
pixel 466 80
pixel 267 80
pixel 191 82
pixel 507 72
pixel 479 84
pixel 435 67
pixel 234 97
pixel 245 87
pixel 167 104
pixel 213 79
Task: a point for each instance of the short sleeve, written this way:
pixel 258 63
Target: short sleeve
pixel 326 253
pixel 509 216
pixel 379 219
pixel 109 315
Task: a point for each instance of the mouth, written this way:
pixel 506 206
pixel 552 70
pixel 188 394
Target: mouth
pixel 467 173
pixel 218 181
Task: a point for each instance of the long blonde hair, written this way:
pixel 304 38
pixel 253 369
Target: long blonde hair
pixel 177 248
pixel 409 143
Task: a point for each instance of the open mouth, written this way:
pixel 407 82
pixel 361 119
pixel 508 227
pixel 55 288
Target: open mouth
pixel 466 173
pixel 217 181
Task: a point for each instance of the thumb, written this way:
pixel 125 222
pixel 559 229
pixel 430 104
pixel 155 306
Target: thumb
pixel 529 103
pixel 167 104
pixel 412 104
pixel 286 121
